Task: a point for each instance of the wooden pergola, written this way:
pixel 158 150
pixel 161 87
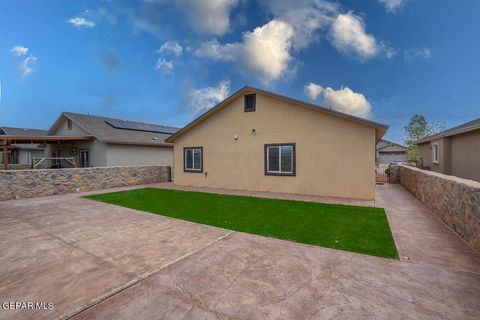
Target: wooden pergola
pixel 7 141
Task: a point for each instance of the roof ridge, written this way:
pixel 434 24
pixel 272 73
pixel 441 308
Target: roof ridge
pixel 119 119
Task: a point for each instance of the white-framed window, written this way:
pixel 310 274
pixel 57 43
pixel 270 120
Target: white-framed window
pixel 280 159
pixel 436 152
pixel 193 159
pixel 69 124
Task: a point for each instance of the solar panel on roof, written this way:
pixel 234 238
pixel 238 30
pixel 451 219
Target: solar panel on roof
pixel 138 126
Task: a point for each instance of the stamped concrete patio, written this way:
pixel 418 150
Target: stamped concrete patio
pixel 98 261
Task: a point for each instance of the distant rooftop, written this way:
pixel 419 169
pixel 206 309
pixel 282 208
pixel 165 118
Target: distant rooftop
pixel 118 131
pixel 11 131
pixel 462 128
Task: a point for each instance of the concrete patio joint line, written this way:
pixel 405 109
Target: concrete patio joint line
pixel 143 277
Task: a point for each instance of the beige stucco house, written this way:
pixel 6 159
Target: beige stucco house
pixel 455 151
pixel 113 142
pixel 261 141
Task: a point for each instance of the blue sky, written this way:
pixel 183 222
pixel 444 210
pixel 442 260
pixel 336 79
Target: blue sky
pixel 166 61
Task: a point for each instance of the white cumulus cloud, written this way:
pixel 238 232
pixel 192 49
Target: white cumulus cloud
pixel 201 100
pixel 349 36
pixel 26 66
pixel 171 47
pixel 164 66
pixel 343 99
pixel 80 22
pixel 393 5
pixel 307 18
pixel 313 90
pixel 19 51
pixel 266 50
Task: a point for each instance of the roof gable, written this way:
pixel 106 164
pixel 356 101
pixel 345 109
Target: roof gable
pixel 116 131
pixel 379 128
pixel 385 144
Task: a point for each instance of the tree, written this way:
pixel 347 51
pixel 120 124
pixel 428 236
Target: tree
pixel 418 128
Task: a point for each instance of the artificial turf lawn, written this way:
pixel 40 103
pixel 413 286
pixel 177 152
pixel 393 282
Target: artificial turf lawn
pixel 351 228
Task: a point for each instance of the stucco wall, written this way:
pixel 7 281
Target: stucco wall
pixel 465 153
pixel 459 155
pixel 334 156
pixel 425 154
pixel 425 150
pixel 120 155
pixel 456 201
pixel 46 182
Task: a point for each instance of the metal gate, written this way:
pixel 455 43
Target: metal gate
pixel 380 175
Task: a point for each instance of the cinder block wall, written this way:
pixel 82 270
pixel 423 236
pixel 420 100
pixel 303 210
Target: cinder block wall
pixel 455 200
pixel 46 182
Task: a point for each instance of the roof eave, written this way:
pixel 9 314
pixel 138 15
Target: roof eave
pixel 150 144
pixel 441 135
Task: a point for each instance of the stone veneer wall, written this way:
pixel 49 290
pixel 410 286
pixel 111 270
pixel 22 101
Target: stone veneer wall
pixel 455 200
pixel 45 182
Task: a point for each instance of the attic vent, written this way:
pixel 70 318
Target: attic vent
pixel 250 102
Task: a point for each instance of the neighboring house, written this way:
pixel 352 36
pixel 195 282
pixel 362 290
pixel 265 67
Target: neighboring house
pixel 113 142
pixel 388 152
pixel 454 151
pixel 261 141
pixel 23 153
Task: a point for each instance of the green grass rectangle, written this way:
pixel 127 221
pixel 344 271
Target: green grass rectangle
pixel 351 228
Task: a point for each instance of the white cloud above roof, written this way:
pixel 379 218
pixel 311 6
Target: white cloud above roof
pixel 307 18
pixel 313 90
pixel 349 36
pixel 200 100
pixel 265 51
pixel 268 51
pixel 343 99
